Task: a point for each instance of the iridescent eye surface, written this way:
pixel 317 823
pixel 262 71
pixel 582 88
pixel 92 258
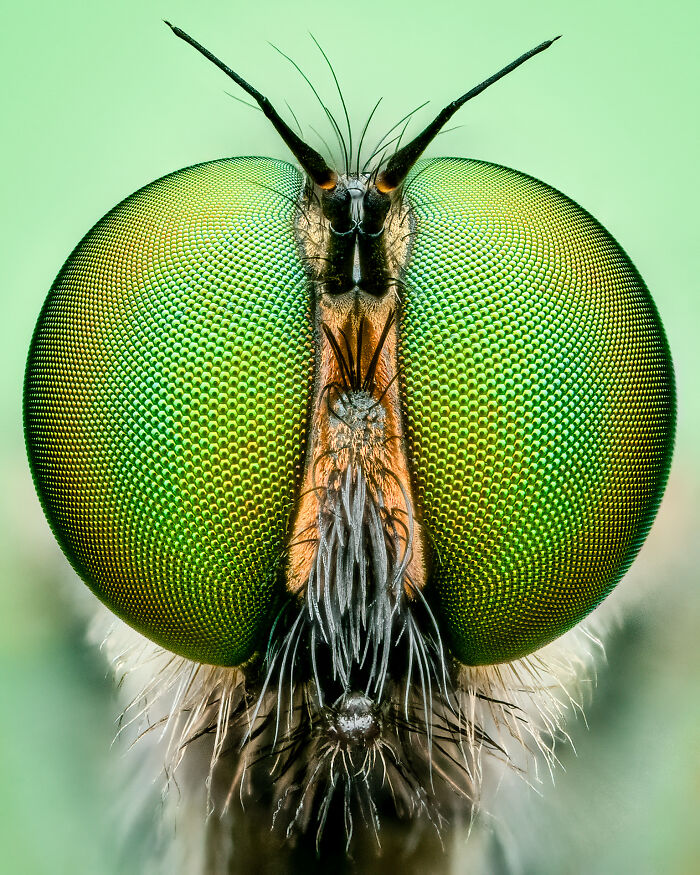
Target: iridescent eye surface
pixel 538 390
pixel 166 398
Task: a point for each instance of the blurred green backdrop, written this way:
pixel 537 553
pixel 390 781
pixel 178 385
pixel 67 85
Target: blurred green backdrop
pixel 99 99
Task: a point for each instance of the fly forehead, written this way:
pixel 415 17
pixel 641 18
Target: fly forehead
pixel 356 184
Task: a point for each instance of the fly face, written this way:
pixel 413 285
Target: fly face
pixel 350 444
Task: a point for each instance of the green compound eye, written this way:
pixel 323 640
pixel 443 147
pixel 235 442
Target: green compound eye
pixel 538 390
pixel 235 356
pixel 166 398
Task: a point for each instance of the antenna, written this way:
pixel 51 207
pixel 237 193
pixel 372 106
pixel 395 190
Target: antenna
pixel 402 161
pixel 312 162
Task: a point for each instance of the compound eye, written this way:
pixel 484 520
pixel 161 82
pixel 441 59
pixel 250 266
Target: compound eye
pixel 539 400
pixel 165 404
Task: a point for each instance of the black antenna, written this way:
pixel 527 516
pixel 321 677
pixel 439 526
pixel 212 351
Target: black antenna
pixel 312 162
pixel 402 160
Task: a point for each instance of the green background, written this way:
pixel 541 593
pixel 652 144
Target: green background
pixel 99 99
